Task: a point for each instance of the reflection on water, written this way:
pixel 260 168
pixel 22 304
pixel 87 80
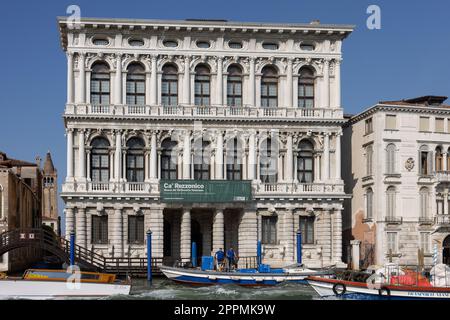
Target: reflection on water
pixel 164 289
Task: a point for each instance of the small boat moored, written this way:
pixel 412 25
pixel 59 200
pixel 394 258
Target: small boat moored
pixel 242 277
pixel 48 284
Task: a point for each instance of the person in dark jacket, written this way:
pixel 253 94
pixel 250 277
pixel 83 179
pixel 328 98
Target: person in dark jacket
pixel 232 259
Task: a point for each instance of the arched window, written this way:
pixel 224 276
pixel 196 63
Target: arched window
pixel 234 86
pixel 390 158
pixel 390 202
pixel 268 161
pixel 306 88
pixel 369 160
pixel 424 164
pixel 424 202
pixel 234 162
pixel 202 156
pixel 135 160
pixel 136 84
pixel 369 203
pixel 202 85
pixel 100 160
pixel 439 160
pixel 269 87
pixel 169 167
pixel 100 84
pixel 305 162
pixel 169 85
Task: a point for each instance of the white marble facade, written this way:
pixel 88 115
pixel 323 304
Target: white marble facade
pixel 137 87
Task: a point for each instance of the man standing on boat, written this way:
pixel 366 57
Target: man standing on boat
pixel 220 257
pixel 232 258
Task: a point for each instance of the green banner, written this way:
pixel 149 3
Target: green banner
pixel 211 191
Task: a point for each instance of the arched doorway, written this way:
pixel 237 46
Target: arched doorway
pixel 446 251
pixel 197 236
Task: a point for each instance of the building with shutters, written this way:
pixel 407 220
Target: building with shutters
pixel 397 168
pixel 159 111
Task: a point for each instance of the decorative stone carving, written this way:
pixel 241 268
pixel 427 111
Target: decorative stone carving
pixel 409 164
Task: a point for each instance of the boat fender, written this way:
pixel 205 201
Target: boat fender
pixel 384 289
pixel 339 289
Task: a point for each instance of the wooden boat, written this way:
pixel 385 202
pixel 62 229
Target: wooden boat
pixel 242 277
pixel 47 284
pixel 406 285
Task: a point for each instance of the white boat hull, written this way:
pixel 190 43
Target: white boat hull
pixel 35 289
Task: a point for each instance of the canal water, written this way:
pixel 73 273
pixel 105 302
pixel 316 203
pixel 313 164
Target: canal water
pixel 164 289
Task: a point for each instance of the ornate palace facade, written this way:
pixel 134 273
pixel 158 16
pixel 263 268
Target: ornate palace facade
pixel 187 100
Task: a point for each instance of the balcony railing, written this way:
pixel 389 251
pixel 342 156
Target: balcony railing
pixel 152 188
pixel 189 111
pixel 443 176
pixel 442 220
pixel 393 220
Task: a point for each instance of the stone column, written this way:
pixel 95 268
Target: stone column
pixel 219 156
pixel 219 84
pixel 252 156
pixel 337 81
pixel 187 156
pixel 70 222
pixel 338 157
pixel 148 88
pixel 248 233
pixel 251 86
pixel 157 227
pixel 218 231
pixel 88 164
pixel 69 155
pixel 118 156
pixel 326 84
pixel 154 81
pixel 185 235
pixel 153 158
pixel 118 88
pixel 81 155
pixel 117 232
pixel 289 235
pixel 289 97
pixel 82 76
pixel 326 158
pixel 70 96
pixel 187 81
pixel 80 236
pixel 337 237
pixel 355 253
pixel 326 236
pixel 445 160
pixel 289 158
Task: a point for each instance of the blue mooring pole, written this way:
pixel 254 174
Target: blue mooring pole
pixel 259 252
pixel 194 254
pixel 149 256
pixel 299 247
pixel 72 248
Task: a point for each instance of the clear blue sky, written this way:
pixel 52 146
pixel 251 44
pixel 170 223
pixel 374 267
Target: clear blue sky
pixel 408 57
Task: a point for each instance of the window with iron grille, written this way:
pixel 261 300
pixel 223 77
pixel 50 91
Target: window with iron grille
pixel 202 86
pixel 136 85
pixel 201 162
pixel 135 160
pixel 136 229
pixel 168 160
pixel 369 160
pixel 425 242
pixel 269 229
pixel 369 203
pixel 100 160
pixel 234 165
pixel 269 87
pixel 100 84
pixel 169 86
pixel 392 242
pixel 305 162
pixel 390 158
pixel 100 229
pixel 390 203
pixel 307 229
pixel 234 86
pixel 306 88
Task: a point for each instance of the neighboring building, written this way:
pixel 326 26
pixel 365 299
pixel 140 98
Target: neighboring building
pixel 50 215
pixel 152 100
pixel 396 165
pixel 20 206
